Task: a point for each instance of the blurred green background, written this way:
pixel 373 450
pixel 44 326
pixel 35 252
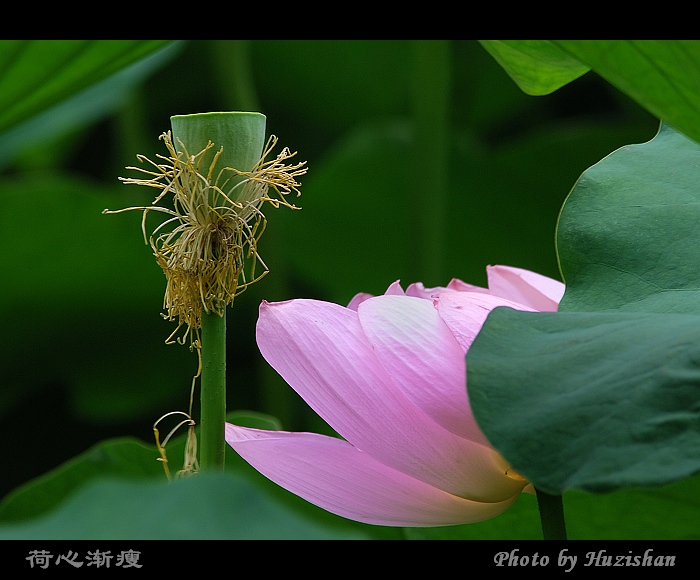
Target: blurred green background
pixel 426 162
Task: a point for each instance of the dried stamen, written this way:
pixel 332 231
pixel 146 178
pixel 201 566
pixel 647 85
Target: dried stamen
pixel 216 224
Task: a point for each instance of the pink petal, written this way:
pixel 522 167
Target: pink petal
pixel 459 286
pixel 423 358
pixel 417 289
pixel 528 288
pixel 395 288
pixel 358 299
pixel 337 477
pixel 321 351
pixel 465 313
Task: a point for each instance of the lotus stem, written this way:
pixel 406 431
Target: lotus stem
pixel 213 392
pixel 551 515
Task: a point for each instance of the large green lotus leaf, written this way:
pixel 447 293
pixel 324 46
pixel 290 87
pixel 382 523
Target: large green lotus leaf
pixel 36 141
pixel 605 394
pixel 125 457
pixel 207 506
pixel 27 513
pixel 604 400
pixel 663 76
pixel 627 235
pixel 41 506
pixel 61 86
pixel 37 74
pixel 538 67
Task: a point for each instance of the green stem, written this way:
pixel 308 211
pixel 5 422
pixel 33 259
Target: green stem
pixel 551 515
pixel 234 74
pixel 432 85
pixel 213 393
pixel 242 135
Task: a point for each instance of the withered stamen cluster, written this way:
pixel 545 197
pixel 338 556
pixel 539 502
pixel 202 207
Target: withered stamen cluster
pixel 217 222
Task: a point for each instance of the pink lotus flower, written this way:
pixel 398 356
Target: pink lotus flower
pixel 388 374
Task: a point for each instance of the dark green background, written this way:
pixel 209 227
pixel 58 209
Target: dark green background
pixel 426 162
